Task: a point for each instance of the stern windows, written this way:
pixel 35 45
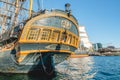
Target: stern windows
pixel 32 34
pixel 55 36
pixel 45 34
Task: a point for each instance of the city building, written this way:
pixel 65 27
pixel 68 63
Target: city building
pixel 97 46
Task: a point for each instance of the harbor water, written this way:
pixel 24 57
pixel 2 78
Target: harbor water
pixel 87 68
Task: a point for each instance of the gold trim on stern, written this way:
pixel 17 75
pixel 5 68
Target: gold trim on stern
pixel 37 34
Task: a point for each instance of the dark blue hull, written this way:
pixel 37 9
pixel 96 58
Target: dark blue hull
pixel 8 63
pixel 32 63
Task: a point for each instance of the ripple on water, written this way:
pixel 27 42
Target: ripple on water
pixel 76 69
pixel 88 68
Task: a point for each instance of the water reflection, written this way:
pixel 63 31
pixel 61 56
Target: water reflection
pixel 24 77
pixel 72 69
pixel 75 69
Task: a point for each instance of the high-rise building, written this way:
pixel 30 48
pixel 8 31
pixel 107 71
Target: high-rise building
pixel 97 46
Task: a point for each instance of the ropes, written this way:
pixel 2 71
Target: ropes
pixel 47 69
pixel 44 67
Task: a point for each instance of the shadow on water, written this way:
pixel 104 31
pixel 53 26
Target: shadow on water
pixel 35 76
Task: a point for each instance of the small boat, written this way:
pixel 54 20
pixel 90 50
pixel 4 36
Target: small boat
pixel 36 41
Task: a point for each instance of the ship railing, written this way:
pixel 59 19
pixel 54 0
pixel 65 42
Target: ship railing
pixel 64 12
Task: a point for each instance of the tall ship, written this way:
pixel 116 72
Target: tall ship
pixel 85 45
pixel 33 39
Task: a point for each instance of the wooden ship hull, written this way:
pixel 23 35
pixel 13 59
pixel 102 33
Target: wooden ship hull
pixel 42 41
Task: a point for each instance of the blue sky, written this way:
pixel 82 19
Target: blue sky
pixel 100 17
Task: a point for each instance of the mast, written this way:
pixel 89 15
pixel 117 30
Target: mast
pixel 10 13
pixel 4 18
pixel 30 8
pixel 16 12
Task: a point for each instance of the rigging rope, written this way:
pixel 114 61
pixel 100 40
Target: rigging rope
pixel 29 59
pixel 44 67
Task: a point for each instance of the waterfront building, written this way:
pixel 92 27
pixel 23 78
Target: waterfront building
pixel 97 46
